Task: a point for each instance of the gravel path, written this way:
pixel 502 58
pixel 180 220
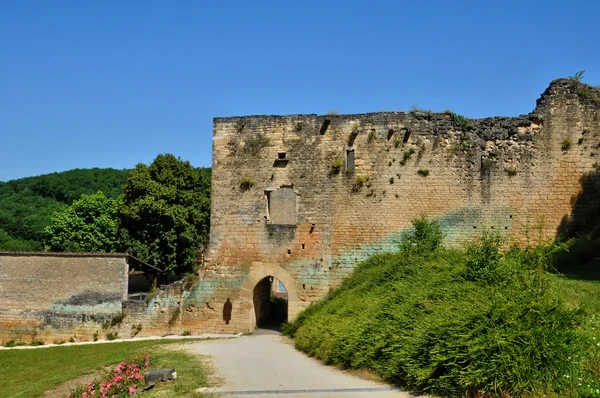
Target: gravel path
pixel 266 366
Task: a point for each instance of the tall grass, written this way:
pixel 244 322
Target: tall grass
pixel 454 322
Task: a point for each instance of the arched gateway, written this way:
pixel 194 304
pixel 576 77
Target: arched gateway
pixel 255 287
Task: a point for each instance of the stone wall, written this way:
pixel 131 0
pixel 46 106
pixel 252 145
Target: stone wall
pixel 311 196
pixel 53 296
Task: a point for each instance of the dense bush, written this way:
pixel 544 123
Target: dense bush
pixel 451 322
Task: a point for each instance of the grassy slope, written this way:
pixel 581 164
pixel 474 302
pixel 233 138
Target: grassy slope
pixel 421 324
pixel 28 373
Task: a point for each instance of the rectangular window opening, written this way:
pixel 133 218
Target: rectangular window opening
pixel 390 134
pixel 406 136
pixel 350 160
pixel 281 155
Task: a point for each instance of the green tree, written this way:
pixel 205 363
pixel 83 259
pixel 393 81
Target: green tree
pixel 165 213
pixel 90 224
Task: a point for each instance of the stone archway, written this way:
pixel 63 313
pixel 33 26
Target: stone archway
pixel 258 274
pixel 270 304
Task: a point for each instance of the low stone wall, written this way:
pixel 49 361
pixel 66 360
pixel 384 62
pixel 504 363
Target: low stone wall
pixel 56 296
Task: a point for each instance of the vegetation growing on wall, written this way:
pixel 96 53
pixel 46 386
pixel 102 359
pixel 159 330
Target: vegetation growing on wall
pixel 474 322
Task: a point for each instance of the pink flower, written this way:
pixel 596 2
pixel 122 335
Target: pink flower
pixel 131 390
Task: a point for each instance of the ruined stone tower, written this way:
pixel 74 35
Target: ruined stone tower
pixel 304 198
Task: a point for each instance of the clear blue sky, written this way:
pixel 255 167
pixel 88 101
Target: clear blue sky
pixel 114 83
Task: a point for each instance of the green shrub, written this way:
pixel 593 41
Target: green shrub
pixel 371 137
pixel 460 122
pixel 255 143
pixel 424 237
pixel 483 257
pixel 336 166
pixel 578 76
pixel 566 144
pixel 112 335
pixel 117 319
pixel 423 172
pixel 246 183
pixel 359 181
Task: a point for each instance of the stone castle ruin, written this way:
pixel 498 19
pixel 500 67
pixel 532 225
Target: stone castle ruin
pixel 301 199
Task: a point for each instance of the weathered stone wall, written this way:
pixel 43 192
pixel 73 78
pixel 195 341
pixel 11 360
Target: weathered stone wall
pixel 501 173
pixel 50 296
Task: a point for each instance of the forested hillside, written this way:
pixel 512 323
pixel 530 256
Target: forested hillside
pixel 27 204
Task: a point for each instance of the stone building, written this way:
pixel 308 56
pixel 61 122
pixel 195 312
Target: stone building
pixel 303 198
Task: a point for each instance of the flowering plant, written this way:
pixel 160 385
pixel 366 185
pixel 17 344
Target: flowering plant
pixel 122 381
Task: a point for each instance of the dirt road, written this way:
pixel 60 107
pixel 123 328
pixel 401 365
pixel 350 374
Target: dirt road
pixel 266 366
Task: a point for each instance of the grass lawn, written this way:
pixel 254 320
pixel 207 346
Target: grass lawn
pixel 29 373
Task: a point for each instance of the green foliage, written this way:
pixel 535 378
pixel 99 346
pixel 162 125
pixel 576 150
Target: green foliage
pixel 424 237
pixel 359 182
pixel 566 144
pixel 427 321
pixel 255 143
pixel 423 172
pixel 483 257
pixel 371 136
pixel 90 224
pixel 165 213
pixel 578 76
pixel 336 166
pixel 460 122
pixel 406 156
pixel 27 204
pixel 110 336
pixel 246 183
pixel 391 180
pixel 511 171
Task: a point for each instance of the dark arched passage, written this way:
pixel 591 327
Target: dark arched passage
pixel 270 303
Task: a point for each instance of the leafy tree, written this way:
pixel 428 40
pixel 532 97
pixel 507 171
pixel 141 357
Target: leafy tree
pixel 8 243
pixel 90 224
pixel 165 213
pixel 27 204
